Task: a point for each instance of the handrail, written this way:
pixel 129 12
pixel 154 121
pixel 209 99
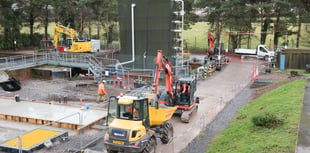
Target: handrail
pixel 58 58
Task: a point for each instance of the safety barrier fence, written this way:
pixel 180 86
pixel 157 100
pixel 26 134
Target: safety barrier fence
pixel 88 61
pixel 68 142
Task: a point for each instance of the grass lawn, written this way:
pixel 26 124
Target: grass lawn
pixel 196 38
pixel 241 136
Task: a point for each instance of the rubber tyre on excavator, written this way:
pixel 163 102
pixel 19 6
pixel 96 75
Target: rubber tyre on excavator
pixel 150 146
pixel 167 133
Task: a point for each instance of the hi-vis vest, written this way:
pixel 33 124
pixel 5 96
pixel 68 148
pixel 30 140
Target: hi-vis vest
pixel 101 89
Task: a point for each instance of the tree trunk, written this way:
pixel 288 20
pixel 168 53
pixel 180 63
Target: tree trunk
pixel 276 34
pixel 107 29
pixel 89 22
pixel 265 26
pixel 218 29
pixel 261 22
pixel 239 40
pixel 31 23
pixel 249 35
pixel 110 39
pixel 82 21
pixel 218 35
pixel 46 26
pixel 98 26
pixel 299 28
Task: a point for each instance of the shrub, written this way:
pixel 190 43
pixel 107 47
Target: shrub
pixel 267 120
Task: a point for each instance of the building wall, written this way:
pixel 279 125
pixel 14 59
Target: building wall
pixel 295 58
pixel 152 31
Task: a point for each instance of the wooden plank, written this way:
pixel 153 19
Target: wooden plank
pixel 9 117
pixel 2 116
pixel 45 122
pixel 32 120
pixel 16 118
pixel 55 124
pixel 40 121
pixel 24 119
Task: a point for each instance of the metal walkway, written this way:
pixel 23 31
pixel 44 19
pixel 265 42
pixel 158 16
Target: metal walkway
pixel 81 60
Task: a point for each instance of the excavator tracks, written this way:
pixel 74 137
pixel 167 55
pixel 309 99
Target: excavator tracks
pixel 187 114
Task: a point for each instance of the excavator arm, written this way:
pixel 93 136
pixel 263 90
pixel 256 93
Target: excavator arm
pixel 162 62
pixel 210 42
pixel 65 30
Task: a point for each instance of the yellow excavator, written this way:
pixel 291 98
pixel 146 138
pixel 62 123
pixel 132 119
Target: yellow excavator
pixel 136 123
pixel 73 43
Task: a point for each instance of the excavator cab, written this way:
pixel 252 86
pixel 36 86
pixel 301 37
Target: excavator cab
pixel 69 43
pixel 129 108
pixel 185 99
pixel 112 105
pixel 134 125
pixel 184 91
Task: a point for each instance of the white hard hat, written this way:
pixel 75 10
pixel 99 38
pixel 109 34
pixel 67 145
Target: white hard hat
pixel 104 81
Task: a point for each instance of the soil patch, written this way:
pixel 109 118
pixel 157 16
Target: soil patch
pixel 279 80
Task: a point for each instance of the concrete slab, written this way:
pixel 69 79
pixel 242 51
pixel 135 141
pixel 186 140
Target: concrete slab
pixel 50 112
pixel 3 76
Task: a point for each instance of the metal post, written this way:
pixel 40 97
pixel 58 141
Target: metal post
pixel 144 57
pixel 182 38
pixel 81 129
pixel 20 144
pixel 128 88
pixel 273 35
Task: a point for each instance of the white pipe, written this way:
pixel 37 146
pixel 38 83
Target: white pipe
pixel 133 5
pixel 182 42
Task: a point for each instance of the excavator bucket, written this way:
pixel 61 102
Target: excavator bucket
pixel 160 115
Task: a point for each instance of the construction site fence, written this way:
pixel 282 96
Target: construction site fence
pixel 110 47
pixel 21 61
pixel 81 60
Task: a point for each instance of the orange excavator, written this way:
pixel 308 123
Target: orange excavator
pixel 183 94
pixel 210 42
pixel 167 95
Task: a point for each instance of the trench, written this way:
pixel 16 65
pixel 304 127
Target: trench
pixel 200 143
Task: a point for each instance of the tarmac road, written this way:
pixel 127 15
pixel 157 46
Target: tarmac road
pixel 214 93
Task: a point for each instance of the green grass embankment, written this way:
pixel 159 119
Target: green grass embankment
pixel 241 136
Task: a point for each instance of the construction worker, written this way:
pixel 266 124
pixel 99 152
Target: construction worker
pixel 183 92
pixel 101 92
pixel 134 112
pixel 183 88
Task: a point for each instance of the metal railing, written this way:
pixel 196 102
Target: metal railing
pixel 88 61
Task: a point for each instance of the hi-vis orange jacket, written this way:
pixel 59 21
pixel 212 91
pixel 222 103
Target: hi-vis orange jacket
pixel 101 89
